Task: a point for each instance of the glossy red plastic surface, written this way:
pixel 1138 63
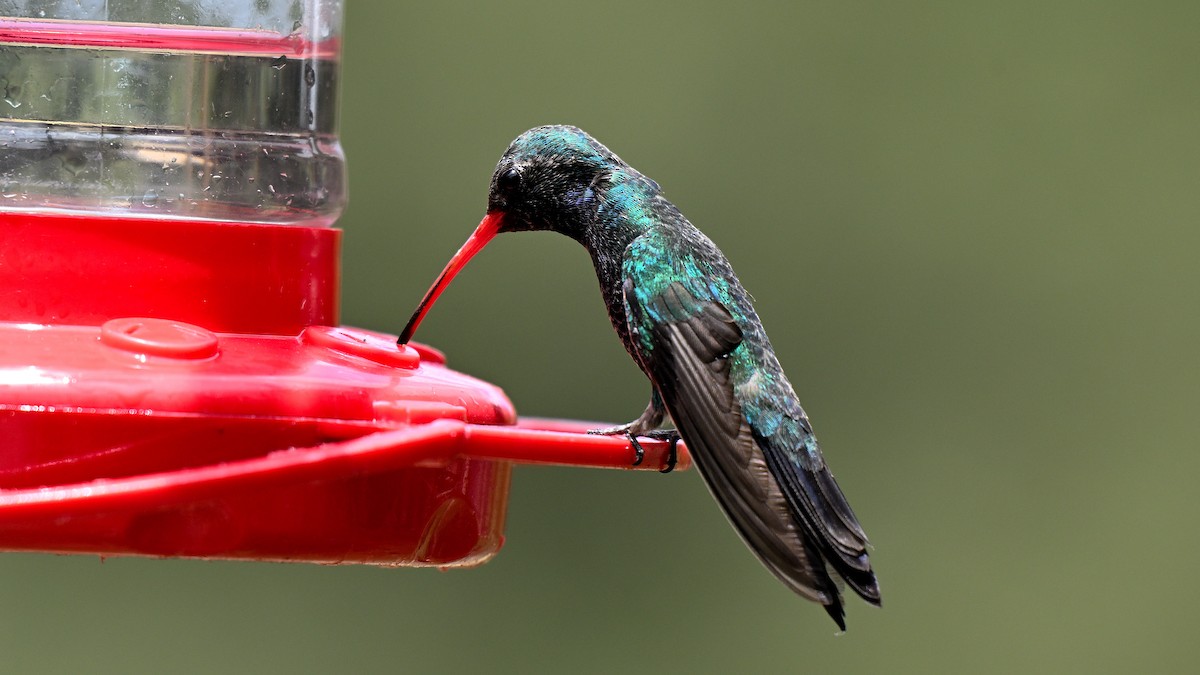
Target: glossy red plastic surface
pixel 181 389
pixel 224 277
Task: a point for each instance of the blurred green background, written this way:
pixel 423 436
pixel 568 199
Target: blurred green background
pixel 971 233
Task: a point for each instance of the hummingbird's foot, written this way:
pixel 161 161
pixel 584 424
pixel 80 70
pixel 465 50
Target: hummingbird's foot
pixel 627 430
pixel 646 426
pixel 669 435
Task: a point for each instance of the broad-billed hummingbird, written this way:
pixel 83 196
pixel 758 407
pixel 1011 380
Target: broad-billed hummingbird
pixel 685 319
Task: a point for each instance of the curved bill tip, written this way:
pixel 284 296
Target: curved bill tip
pixel 488 228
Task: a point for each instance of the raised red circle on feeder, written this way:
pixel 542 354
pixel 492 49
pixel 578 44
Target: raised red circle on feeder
pixel 159 337
pixel 376 347
pixel 428 354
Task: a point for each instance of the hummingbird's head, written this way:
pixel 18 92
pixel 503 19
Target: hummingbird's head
pixel 549 178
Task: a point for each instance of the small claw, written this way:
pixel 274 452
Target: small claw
pixel 627 431
pixel 671 436
pixel 637 447
pixel 672 454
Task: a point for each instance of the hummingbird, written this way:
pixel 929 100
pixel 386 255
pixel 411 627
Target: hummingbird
pixel 688 323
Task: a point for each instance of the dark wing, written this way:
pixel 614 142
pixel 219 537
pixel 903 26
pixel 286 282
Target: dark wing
pixel 684 337
pixel 825 515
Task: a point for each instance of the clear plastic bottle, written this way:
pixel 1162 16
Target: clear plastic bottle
pixel 219 110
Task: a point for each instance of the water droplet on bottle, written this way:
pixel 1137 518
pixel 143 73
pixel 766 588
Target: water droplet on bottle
pixel 279 63
pixel 310 75
pixel 15 104
pixel 296 26
pixel 150 199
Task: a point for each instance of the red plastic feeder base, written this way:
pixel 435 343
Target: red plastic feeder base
pixel 178 389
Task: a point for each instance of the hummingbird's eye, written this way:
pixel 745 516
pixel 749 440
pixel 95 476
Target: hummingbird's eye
pixel 509 181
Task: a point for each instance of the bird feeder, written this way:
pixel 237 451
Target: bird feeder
pixel 173 378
